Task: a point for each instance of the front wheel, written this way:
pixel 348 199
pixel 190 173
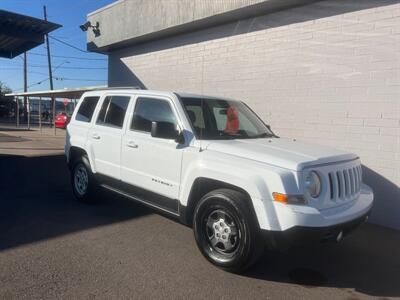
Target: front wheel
pixel 226 231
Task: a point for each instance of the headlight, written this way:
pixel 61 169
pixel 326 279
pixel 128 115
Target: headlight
pixel 313 184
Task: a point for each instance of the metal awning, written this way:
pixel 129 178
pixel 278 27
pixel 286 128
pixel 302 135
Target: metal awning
pixel 69 93
pixel 20 33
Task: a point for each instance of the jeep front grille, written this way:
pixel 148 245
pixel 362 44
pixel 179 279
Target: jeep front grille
pixel 345 183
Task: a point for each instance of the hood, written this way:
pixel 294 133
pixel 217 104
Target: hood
pixel 281 152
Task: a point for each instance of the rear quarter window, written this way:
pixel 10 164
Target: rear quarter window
pixel 86 109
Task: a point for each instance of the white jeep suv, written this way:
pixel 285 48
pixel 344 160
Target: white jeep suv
pixel 213 164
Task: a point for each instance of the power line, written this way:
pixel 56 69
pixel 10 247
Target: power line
pixel 79 79
pixel 61 56
pixel 30 72
pixel 44 66
pixel 68 44
pixel 61 79
pixel 71 57
pixel 83 68
pixel 34 72
pixel 31 85
pixel 11 68
pixel 64 78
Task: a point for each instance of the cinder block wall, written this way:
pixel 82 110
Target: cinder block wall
pixel 327 73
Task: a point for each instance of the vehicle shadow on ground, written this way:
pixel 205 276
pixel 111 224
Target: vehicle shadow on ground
pixel 366 261
pixel 36 202
pixel 386 198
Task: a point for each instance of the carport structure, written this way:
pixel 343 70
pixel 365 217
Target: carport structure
pixel 69 94
pixel 20 33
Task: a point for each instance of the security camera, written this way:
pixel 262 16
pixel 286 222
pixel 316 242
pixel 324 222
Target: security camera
pixel 95 28
pixel 85 26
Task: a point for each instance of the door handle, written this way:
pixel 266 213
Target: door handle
pixel 132 144
pixel 95 136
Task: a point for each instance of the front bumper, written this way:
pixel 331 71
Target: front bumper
pixel 300 235
pixel 290 225
pixel 276 216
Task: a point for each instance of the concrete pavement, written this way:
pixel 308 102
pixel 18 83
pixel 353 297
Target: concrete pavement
pixel 20 141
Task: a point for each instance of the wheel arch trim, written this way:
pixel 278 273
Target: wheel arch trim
pixel 203 185
pixel 75 152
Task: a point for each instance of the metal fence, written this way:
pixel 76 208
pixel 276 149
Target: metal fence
pixel 35 112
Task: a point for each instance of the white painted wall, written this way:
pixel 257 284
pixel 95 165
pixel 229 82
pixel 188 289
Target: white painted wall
pixel 327 73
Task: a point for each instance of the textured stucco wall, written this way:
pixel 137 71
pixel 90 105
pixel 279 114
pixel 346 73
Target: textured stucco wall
pixel 127 19
pixel 328 72
pixel 133 21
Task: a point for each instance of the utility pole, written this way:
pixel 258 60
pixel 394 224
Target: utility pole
pixel 25 88
pixel 53 102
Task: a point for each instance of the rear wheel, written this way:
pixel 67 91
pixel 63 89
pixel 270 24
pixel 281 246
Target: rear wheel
pixel 226 231
pixel 82 180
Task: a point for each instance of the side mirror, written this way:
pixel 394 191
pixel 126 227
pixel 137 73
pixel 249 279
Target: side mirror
pixel 268 126
pixel 164 130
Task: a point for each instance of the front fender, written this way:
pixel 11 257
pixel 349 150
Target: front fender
pixel 257 179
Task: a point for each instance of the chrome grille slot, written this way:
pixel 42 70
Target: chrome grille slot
pixel 352 182
pixel 344 183
pixel 334 185
pixel 339 176
pixel 359 169
pixel 356 178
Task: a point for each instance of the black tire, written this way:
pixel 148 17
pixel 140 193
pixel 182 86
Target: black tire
pixel 88 194
pixel 233 208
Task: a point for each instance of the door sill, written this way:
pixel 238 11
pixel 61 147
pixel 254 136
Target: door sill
pixel 140 200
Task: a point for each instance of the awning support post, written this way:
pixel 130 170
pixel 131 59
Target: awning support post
pixel 29 112
pixel 17 112
pixel 40 114
pixel 54 115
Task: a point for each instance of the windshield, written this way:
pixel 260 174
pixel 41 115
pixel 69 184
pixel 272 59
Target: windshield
pixel 223 119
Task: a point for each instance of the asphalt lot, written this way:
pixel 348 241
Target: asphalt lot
pixel 51 246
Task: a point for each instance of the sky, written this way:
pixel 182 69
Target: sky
pixel 70 14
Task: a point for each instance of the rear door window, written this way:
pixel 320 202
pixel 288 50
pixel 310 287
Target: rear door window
pixel 86 109
pixel 113 111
